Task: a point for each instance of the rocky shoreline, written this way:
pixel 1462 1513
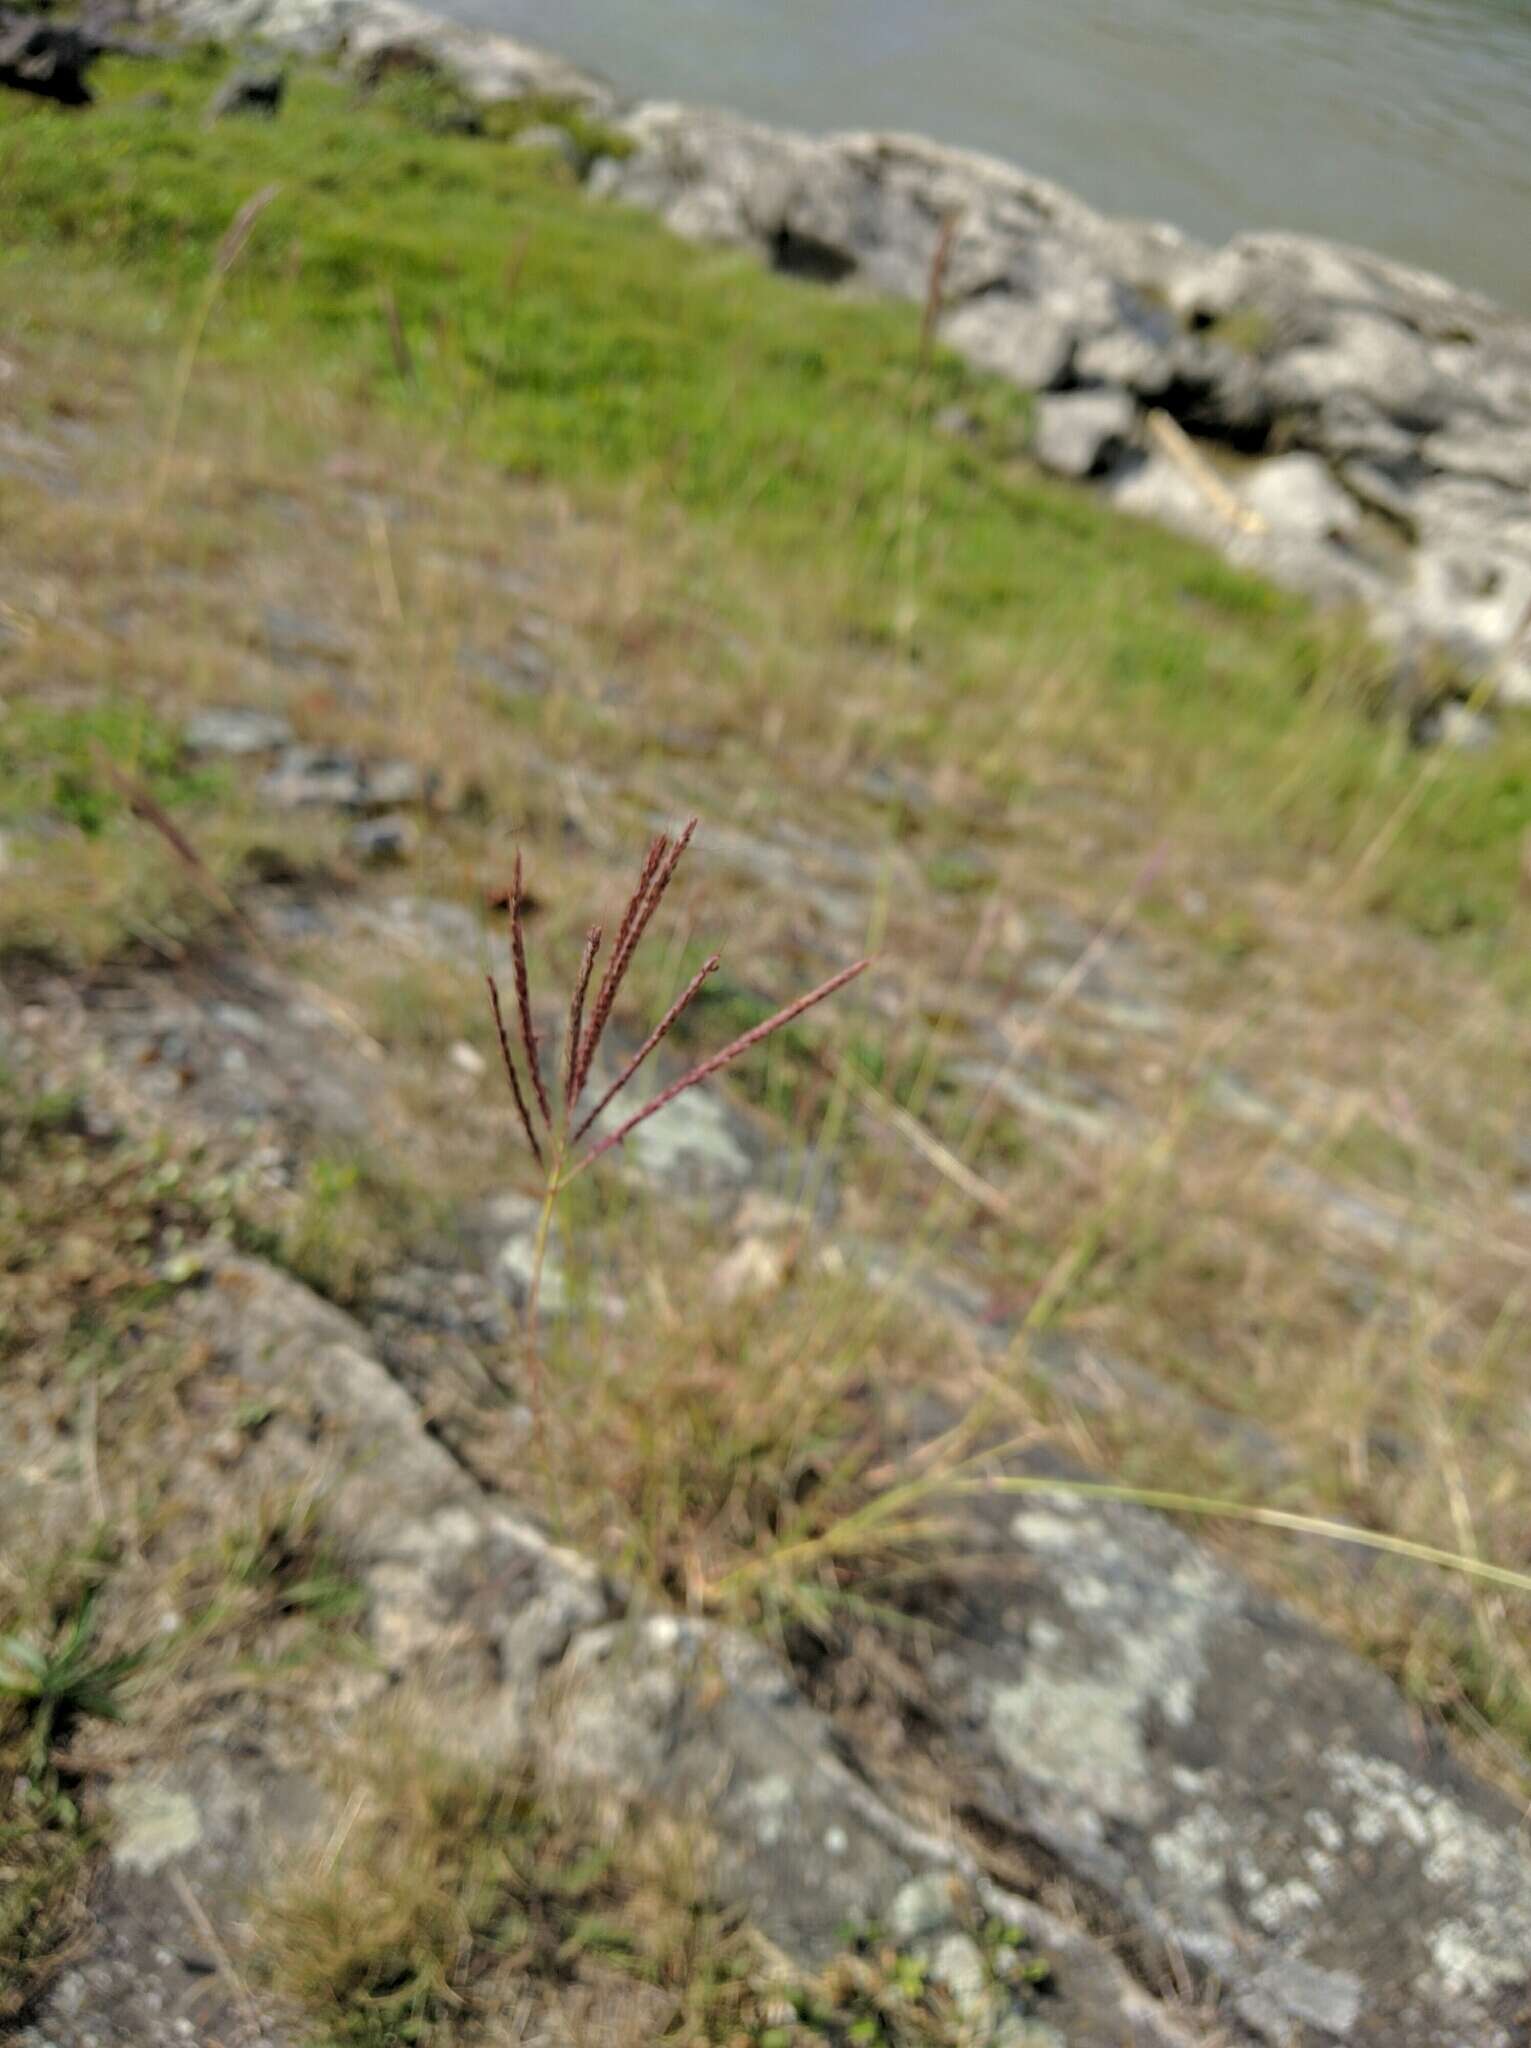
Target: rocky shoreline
pixel 1351 428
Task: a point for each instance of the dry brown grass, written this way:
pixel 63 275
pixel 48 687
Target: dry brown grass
pixel 730 1432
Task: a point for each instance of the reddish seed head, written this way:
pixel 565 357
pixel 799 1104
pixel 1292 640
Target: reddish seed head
pixel 725 1058
pixel 663 859
pixel 510 1071
pixel 524 995
pixel 571 1051
pixel 661 1030
pixel 582 1041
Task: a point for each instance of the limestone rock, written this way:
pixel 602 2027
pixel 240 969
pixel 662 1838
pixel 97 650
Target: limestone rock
pixel 45 58
pixel 1474 602
pixel 1486 448
pixel 326 776
pixel 189 1840
pixel 1360 354
pixel 709 1723
pixel 1246 1792
pixel 236 731
pixel 387 841
pixel 1031 345
pixel 250 92
pixel 1299 493
pixel 1081 433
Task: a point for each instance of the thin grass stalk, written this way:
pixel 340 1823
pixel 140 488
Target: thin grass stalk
pixel 911 511
pixel 856 1530
pixel 510 1072
pixel 536 1373
pixel 577 1017
pixel 660 1031
pixel 1404 1547
pixel 398 340
pixel 935 288
pixel 708 1067
pixel 605 994
pixel 642 908
pixel 225 256
pixel 816 1165
pixel 524 996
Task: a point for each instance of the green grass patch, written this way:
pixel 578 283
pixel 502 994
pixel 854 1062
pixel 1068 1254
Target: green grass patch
pixel 576 341
pixel 51 764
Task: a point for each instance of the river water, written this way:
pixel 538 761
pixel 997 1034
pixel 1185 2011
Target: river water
pixel 1401 125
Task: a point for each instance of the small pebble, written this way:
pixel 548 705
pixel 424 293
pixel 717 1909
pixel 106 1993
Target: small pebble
pixel 229 730
pixel 468 1059
pixel 388 841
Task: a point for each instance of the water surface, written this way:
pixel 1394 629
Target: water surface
pixel 1401 125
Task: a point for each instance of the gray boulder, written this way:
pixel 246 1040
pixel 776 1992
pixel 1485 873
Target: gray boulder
pixel 45 58
pixel 233 730
pixel 1082 433
pixel 306 776
pixel 1032 345
pixel 1298 493
pixel 250 92
pixel 1491 449
pixel 1248 1795
pixel 1280 274
pixel 1025 271
pixel 1476 603
pixel 1365 355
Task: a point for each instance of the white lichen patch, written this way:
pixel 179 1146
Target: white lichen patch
pixel 1193 1857
pixel 1076 1718
pixel 1463 1970
pixel 1386 1799
pixel 958 1963
pixel 1280 1907
pixel 1483 1875
pixel 770 1800
pixel 1290 1989
pixel 1330 1835
pixel 153 1825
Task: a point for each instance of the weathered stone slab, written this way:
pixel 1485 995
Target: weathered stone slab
pixel 189 1839
pixel 1235 1787
pixel 1079 433
pixel 710 1724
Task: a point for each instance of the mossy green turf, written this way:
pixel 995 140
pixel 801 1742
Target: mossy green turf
pixel 575 340
pixel 49 762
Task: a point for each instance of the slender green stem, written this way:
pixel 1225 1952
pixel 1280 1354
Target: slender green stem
pixel 536 1373
pixel 181 385
pixel 879 1514
pixel 1266 1518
